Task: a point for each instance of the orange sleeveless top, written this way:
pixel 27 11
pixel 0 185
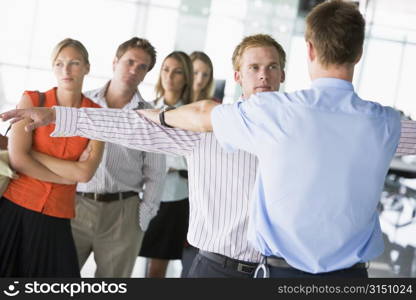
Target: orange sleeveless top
pixel 48 198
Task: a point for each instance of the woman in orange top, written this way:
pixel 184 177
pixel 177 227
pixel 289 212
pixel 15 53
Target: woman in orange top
pixel 36 208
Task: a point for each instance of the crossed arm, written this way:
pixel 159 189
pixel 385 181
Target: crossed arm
pixel 44 167
pixel 76 171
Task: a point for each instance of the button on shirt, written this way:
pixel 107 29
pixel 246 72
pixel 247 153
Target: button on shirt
pixel 323 156
pixel 123 169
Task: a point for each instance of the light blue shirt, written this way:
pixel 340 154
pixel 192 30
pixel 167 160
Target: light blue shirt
pixel 323 156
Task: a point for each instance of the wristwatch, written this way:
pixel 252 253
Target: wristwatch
pixel 162 116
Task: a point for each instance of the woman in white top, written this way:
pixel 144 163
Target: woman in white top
pixel 166 236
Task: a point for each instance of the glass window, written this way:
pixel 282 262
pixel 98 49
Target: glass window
pixel 405 89
pixel 380 70
pixel 16 30
pixel 297 76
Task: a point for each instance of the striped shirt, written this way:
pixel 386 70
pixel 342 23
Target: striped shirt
pixel 407 144
pixel 176 187
pixel 220 183
pixel 123 169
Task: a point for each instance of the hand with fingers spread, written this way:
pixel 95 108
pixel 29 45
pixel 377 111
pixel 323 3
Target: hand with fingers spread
pixel 39 116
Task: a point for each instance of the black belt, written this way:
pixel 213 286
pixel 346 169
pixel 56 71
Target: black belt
pixel 238 265
pixel 279 262
pixel 108 197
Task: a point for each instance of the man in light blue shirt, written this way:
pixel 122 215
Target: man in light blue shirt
pixel 323 156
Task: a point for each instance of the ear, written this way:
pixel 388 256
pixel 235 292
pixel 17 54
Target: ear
pixel 88 69
pixel 310 50
pixel 282 76
pixel 115 61
pixel 237 77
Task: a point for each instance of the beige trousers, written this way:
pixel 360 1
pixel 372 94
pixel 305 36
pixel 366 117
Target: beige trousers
pixel 111 230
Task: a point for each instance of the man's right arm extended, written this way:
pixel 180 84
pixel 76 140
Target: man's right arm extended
pixel 123 127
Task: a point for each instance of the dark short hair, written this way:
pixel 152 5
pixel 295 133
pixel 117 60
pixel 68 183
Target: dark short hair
pixel 336 30
pixel 138 43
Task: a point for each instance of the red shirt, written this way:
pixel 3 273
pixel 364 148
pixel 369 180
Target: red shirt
pixel 48 198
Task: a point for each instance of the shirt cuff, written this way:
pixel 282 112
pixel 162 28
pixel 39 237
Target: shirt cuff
pixel 66 121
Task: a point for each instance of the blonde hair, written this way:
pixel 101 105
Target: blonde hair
pixel 257 40
pixel 70 43
pixel 208 91
pixel 185 61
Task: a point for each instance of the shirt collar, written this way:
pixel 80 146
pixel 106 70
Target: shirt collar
pixel 99 94
pixel 332 83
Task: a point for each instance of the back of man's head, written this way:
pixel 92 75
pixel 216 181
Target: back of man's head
pixel 138 43
pixel 336 30
pixel 257 40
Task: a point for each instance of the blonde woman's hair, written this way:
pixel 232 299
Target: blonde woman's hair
pixel 185 61
pixel 70 43
pixel 208 91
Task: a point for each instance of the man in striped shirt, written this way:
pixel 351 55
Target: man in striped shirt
pixel 220 183
pixel 111 217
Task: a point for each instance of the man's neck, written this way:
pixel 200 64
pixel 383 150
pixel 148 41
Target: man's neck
pixel 117 95
pixel 344 72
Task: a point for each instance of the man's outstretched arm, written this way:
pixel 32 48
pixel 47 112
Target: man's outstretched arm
pixel 39 116
pixel 123 127
pixel 193 117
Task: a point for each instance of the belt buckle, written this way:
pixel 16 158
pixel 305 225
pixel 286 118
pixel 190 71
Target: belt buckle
pixel 244 268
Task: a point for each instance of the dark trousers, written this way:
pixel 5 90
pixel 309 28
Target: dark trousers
pixel 277 272
pixel 188 255
pixel 35 245
pixel 203 267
